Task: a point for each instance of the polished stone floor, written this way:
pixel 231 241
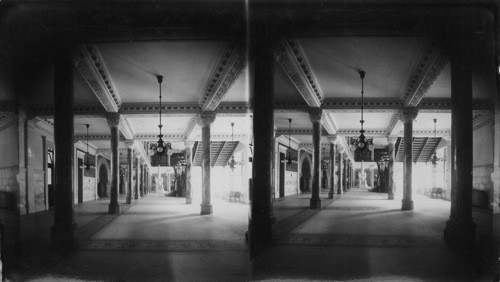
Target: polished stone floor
pixel 359 236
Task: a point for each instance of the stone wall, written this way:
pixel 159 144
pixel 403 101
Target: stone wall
pixel 9 187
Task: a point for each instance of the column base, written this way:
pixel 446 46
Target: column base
pixel 330 195
pixel 206 209
pixel 189 201
pixel 128 200
pixel 315 204
pixel 62 237
pixel 114 209
pixel 260 235
pixel 390 196
pixel 460 235
pixel 136 197
pixel 407 205
pixel 340 192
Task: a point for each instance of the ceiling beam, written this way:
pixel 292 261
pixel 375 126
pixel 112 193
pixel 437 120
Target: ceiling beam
pixel 422 149
pixel 395 124
pixel 89 63
pixel 126 128
pixel 231 64
pixel 219 153
pixel 425 72
pixel 292 60
pixel 190 127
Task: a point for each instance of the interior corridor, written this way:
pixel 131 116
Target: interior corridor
pixel 356 236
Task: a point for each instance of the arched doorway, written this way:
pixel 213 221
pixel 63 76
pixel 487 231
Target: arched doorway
pixel 305 176
pixel 103 181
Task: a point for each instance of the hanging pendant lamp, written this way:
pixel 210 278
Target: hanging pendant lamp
pixel 288 159
pixel 434 158
pixel 362 143
pixel 160 147
pixel 88 163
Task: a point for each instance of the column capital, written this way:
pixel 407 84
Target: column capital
pixel 129 144
pixel 206 118
pixel 409 114
pixel 189 144
pixel 113 119
pixel 392 139
pixel 315 114
pixel 332 138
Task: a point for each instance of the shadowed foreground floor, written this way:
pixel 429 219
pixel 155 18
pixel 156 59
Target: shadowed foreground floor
pixel 360 236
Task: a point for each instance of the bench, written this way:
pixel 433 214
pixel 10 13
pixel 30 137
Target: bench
pixel 435 192
pixel 233 195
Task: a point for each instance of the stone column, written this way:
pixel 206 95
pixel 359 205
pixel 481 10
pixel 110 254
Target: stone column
pixel 261 73
pixel 205 120
pixel 340 188
pixel 114 125
pixel 137 173
pixel 390 170
pixel 408 116
pixel 130 152
pixel 460 228
pixel 315 116
pixel 141 185
pixel 189 162
pixel 344 185
pixel 332 140
pixel 62 236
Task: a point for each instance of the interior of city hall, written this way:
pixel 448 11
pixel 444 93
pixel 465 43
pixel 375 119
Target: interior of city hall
pixel 249 140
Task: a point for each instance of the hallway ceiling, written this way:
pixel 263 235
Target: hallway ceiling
pixel 210 71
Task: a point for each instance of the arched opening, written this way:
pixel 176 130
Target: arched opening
pixel 103 181
pixel 305 176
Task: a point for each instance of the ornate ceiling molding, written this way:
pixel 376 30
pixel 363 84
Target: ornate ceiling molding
pixel 368 133
pixel 92 68
pixel 226 72
pixel 190 127
pixel 126 128
pixel 292 60
pixel 395 124
pixel 329 123
pixel 482 118
pixel 427 69
pixel 7 119
pixel 354 105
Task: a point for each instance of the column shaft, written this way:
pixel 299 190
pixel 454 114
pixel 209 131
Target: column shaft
pixel 189 200
pixel 409 115
pixel 261 69
pixel 62 231
pixel 332 171
pixel 315 115
pixel 340 188
pixel 113 120
pixel 390 171
pixel 137 180
pixel 460 228
pixel 206 119
pixel 129 173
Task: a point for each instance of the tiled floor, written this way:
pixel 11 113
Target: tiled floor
pixel 360 236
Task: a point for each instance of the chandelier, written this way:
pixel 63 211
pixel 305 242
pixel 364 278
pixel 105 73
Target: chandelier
pixel 160 147
pixel 288 159
pixel 362 143
pixel 88 163
pixel 434 158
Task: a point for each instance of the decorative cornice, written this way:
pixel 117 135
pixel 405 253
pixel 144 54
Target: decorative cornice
pixel 226 72
pixel 7 119
pixel 482 118
pixel 291 58
pixel 299 132
pixel 329 123
pixel 354 105
pixel 427 69
pixel 190 127
pixel 355 132
pixel 92 68
pixel 395 124
pixel 126 128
